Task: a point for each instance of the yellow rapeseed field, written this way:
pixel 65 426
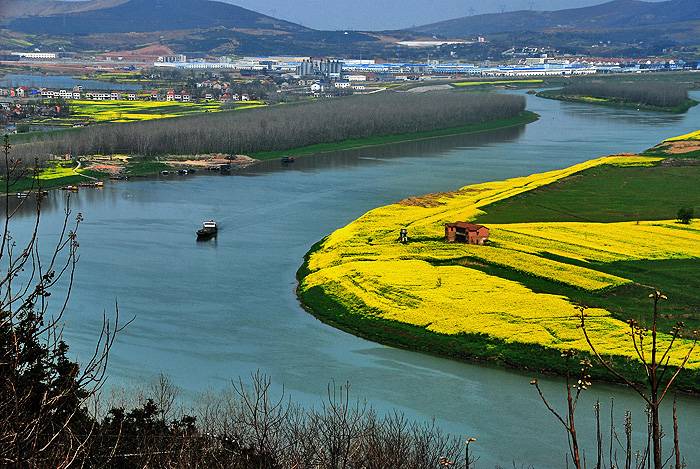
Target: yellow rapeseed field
pixel 431 284
pixel 690 136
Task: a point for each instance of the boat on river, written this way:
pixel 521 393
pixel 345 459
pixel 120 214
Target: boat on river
pixel 208 230
pixel 288 159
pixel 96 184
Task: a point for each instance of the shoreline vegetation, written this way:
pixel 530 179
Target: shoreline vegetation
pixel 649 96
pixel 525 117
pixel 279 128
pixel 515 301
pixel 102 167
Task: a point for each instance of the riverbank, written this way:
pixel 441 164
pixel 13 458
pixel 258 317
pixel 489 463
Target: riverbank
pixel 125 166
pixel 559 96
pixel 526 117
pixel 61 174
pixel 514 302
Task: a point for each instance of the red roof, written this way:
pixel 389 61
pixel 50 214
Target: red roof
pixel 466 226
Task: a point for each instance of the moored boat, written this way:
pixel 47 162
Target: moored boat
pixel 208 230
pixel 288 159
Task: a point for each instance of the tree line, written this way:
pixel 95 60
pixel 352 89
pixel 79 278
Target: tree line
pixel 648 93
pixel 279 128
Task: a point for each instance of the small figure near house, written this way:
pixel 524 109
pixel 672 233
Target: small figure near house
pixel 468 233
pixel 403 236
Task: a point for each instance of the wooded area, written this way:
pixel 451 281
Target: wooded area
pixel 280 127
pixel 650 93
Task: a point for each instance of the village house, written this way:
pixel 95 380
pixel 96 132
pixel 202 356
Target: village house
pixel 468 233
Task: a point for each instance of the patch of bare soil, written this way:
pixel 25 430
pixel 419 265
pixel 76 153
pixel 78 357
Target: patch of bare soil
pixel 680 147
pixel 677 162
pixel 105 168
pixel 204 161
pixel 428 200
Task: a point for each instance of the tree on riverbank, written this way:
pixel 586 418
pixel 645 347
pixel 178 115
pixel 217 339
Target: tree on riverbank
pixel 660 375
pixel 283 127
pixel 653 358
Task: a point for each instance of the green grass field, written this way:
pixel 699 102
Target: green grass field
pixel 55 174
pixel 605 194
pixel 613 194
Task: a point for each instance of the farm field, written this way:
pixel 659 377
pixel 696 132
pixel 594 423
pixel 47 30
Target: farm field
pixel 131 111
pixel 85 111
pixel 585 235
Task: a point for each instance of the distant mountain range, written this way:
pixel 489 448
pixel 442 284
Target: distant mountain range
pixel 624 27
pixel 138 16
pixel 618 14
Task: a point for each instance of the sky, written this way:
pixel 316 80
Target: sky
pixel 392 14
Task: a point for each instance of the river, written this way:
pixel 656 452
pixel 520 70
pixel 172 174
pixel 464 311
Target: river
pixel 206 313
pixel 61 81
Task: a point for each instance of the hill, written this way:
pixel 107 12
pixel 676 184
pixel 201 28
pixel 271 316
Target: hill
pixel 152 15
pixel 10 9
pixel 186 26
pixel 197 27
pixel 617 14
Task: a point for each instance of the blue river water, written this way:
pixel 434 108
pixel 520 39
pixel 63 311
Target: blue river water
pixel 207 313
pixel 60 82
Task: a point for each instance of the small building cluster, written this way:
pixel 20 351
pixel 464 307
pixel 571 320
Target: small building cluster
pixel 468 233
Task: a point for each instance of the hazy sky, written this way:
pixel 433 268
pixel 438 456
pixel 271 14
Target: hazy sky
pixel 389 14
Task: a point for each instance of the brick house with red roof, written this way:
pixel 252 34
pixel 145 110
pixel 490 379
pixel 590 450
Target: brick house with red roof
pixel 468 233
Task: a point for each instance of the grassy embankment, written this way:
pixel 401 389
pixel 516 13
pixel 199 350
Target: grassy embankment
pixel 616 102
pixel 599 234
pixel 56 174
pixel 526 117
